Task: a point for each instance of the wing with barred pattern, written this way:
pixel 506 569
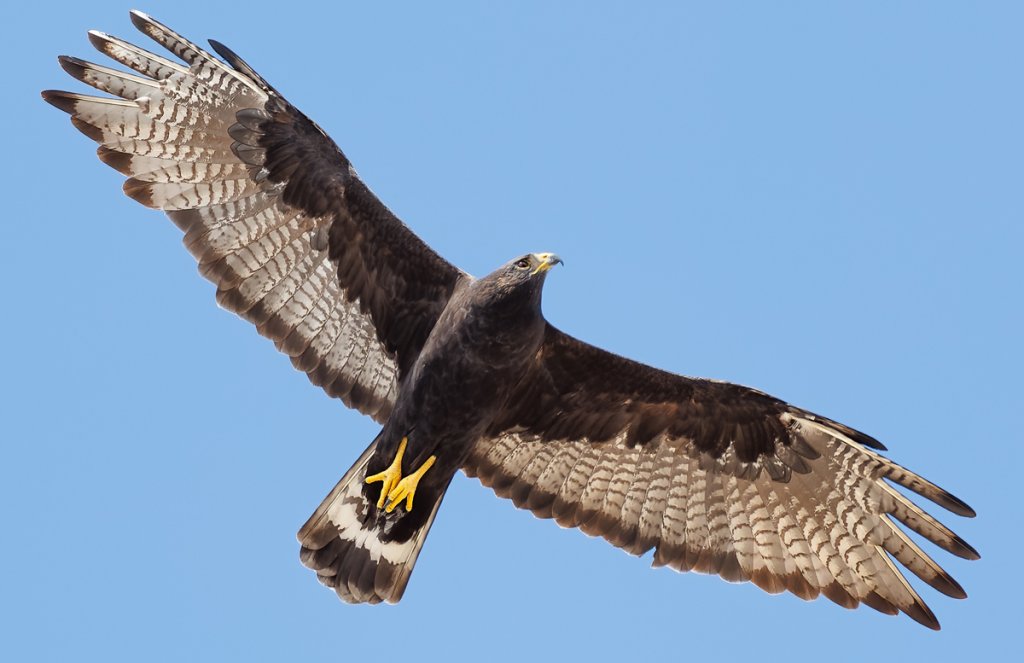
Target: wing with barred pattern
pixel 716 478
pixel 271 208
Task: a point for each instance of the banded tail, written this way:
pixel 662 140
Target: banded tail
pixel 346 541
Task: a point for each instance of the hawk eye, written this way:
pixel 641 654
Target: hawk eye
pixel 523 263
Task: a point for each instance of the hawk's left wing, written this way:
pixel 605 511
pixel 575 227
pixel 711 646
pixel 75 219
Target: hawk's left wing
pixel 717 478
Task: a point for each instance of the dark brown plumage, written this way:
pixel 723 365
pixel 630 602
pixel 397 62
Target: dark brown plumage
pixel 466 373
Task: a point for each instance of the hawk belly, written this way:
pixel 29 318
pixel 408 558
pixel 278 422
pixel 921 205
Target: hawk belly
pixel 459 383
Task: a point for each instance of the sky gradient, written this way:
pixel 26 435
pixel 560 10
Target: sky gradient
pixel 821 203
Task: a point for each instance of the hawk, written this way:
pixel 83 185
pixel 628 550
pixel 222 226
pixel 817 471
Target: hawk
pixel 465 373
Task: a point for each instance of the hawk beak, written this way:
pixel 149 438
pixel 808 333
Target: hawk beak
pixel 547 261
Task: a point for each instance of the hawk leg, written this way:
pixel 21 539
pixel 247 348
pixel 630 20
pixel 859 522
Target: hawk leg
pixel 406 488
pixel 396 488
pixel 391 476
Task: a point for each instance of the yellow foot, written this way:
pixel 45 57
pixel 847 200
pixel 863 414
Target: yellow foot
pixel 406 488
pixel 390 476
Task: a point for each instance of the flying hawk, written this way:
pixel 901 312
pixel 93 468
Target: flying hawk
pixel 465 373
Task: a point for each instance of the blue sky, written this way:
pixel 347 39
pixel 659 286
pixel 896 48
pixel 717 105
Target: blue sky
pixel 821 203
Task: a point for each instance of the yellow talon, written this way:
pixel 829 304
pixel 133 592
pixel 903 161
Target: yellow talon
pixel 406 488
pixel 390 476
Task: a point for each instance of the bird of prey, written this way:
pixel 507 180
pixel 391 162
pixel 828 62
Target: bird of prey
pixel 465 373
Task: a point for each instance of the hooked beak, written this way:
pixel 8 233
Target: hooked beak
pixel 546 261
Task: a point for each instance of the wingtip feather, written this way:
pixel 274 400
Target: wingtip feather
pixel 119 161
pixel 99 40
pixel 139 191
pixel 72 65
pixel 59 99
pixel 960 507
pixel 965 550
pixel 140 19
pixel 923 615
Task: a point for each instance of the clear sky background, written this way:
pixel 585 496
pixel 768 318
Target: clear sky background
pixel 821 203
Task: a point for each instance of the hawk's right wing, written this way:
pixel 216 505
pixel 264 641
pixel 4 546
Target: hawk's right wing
pixel 271 208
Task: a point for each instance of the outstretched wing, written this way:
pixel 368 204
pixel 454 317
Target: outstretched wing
pixel 271 209
pixel 716 478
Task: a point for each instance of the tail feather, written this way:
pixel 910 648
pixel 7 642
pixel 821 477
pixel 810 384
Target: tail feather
pixel 342 542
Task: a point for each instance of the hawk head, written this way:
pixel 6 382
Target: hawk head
pixel 518 282
pixel 527 271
